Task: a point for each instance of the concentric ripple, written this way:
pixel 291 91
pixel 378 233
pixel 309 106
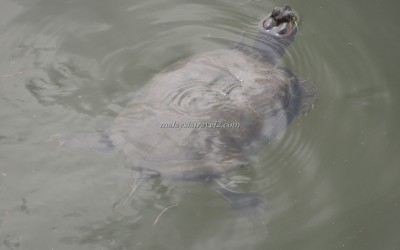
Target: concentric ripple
pixel 329 181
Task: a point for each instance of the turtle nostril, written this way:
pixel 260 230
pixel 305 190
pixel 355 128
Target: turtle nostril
pixel 269 23
pixel 284 29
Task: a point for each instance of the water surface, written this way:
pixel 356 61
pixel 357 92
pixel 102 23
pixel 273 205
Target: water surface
pixel 331 181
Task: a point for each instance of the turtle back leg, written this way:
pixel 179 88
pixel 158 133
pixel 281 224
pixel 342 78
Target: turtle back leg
pixel 247 203
pixel 95 142
pixel 141 177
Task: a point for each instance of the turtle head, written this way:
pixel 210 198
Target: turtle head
pixel 276 32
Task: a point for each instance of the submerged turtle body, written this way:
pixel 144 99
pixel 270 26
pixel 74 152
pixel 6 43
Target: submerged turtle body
pixel 211 113
pixel 175 124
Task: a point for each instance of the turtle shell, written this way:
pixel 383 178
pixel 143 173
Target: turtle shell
pixel 206 115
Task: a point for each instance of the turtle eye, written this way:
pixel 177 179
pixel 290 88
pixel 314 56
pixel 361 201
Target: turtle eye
pixel 275 12
pixel 286 7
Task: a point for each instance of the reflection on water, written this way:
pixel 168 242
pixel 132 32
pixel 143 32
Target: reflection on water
pixel 331 181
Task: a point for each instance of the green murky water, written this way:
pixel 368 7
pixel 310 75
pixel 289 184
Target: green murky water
pixel 331 182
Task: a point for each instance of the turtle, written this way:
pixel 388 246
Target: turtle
pixel 211 113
